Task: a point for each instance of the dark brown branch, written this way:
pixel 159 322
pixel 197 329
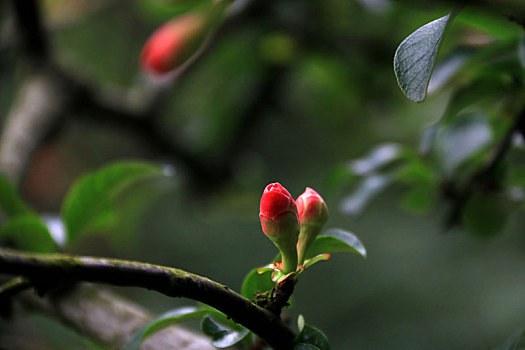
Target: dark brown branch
pixel 47 270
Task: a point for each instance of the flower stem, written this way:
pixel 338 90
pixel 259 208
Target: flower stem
pixel 289 260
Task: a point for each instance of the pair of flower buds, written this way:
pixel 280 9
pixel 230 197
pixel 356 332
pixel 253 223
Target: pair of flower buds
pixel 292 225
pixel 178 40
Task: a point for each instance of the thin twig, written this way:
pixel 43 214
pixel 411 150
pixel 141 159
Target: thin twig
pixel 14 286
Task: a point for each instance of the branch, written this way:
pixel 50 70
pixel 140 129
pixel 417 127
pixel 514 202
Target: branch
pixel 47 270
pixel 35 113
pixel 110 319
pixel 32 33
pixel 483 179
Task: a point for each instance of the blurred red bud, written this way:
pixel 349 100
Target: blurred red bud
pixel 174 43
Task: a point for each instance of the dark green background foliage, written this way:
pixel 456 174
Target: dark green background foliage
pixel 440 273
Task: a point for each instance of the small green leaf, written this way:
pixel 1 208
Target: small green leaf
pixel 11 203
pixel 316 259
pixel 303 346
pixel 28 232
pixel 336 241
pixel 312 336
pixel 89 204
pixel 255 282
pixel 222 337
pixel 165 320
pixel 414 58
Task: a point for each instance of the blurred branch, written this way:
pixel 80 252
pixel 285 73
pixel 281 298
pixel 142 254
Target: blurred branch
pixel 484 179
pixel 46 271
pixel 32 33
pixel 37 110
pixel 110 319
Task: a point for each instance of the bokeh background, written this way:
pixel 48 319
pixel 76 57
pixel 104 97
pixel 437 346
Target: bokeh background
pixel 333 98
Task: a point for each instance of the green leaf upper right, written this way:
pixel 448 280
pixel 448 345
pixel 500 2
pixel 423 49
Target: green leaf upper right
pixel 415 57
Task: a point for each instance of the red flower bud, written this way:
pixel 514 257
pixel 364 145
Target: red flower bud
pixel 311 208
pixel 313 214
pixel 280 223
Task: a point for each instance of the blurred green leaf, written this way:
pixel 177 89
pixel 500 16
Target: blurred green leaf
pixel 28 232
pixel 221 336
pixel 485 214
pixel 516 175
pixel 414 58
pixel 255 282
pixel 277 48
pixel 312 336
pixel 11 203
pixel 415 172
pixel 165 320
pixel 423 186
pixel 336 241
pixel 88 205
pixel 364 192
pixel 495 25
pixel 458 142
pixel 420 199
pixel 480 90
